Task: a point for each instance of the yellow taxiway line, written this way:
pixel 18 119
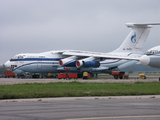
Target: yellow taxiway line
pixel 94 118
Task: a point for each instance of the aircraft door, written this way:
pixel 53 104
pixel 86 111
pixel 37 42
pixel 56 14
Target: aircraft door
pixel 39 64
pixel 21 62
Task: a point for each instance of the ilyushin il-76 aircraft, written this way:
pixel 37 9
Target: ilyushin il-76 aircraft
pixel 83 61
pixel 151 58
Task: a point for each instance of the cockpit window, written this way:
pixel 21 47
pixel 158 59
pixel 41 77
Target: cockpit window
pixel 20 57
pixel 17 57
pixel 152 52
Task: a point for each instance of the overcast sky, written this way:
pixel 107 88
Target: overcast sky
pixel 33 26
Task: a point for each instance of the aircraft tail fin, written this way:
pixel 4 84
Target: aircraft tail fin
pixel 136 38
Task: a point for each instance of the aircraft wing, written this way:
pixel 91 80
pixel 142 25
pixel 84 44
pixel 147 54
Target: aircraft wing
pixel 126 56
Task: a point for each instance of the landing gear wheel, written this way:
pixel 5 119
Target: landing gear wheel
pixel 116 77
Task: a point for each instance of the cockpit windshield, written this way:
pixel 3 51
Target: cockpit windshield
pixel 152 52
pixel 17 57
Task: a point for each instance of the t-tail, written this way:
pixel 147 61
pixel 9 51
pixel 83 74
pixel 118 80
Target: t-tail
pixel 134 42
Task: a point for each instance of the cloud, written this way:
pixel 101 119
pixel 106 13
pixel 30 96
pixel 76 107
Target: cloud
pixel 93 25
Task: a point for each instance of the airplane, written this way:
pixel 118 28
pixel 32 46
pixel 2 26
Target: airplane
pixel 151 58
pixel 58 61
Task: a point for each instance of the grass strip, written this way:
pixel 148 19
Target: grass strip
pixel 76 89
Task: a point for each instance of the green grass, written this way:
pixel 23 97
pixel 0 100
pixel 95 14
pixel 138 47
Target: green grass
pixel 72 89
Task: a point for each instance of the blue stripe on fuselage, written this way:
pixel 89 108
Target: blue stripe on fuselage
pixel 37 59
pixel 35 63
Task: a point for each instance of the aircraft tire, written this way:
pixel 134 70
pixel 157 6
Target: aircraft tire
pixel 116 77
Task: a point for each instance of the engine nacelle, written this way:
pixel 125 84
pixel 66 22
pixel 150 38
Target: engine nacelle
pixel 81 63
pixel 70 61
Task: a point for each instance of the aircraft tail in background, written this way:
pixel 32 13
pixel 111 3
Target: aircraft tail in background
pixel 134 42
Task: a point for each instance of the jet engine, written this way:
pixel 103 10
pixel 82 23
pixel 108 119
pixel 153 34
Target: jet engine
pixel 87 62
pixel 70 61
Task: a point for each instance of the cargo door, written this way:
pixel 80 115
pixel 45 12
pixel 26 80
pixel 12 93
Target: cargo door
pixel 39 64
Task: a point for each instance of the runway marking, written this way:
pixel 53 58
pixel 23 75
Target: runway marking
pixel 148 116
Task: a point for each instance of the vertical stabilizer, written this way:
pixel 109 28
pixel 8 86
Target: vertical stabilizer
pixel 134 42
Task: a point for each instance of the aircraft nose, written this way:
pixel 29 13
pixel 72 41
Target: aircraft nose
pixel 7 64
pixel 145 60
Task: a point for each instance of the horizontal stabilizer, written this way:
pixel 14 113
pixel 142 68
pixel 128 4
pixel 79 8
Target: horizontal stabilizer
pixel 141 24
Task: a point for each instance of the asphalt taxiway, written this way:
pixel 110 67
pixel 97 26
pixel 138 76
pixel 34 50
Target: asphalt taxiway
pixel 95 108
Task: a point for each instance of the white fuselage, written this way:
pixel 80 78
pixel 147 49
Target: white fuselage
pixel 48 62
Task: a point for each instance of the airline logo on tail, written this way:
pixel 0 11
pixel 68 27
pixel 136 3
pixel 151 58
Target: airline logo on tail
pixel 133 38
